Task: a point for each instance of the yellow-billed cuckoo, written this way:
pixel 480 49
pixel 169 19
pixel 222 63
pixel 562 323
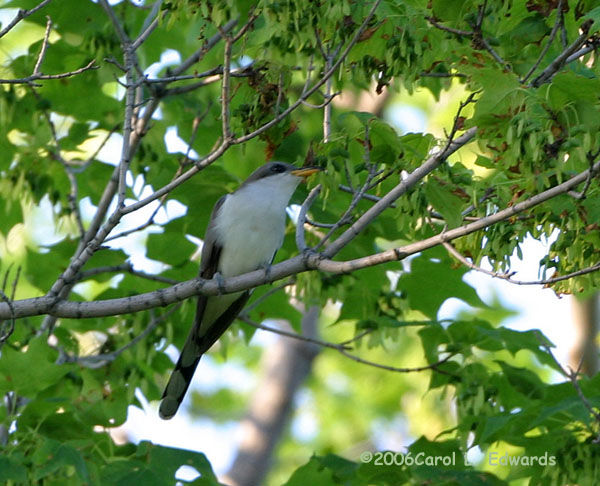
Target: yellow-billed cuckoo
pixel 245 231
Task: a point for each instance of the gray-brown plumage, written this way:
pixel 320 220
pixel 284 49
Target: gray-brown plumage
pixel 245 231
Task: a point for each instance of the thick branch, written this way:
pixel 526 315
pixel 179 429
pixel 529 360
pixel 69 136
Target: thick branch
pixel 298 264
pixel 386 201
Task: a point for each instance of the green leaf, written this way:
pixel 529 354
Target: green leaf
pixel 29 372
pixel 335 470
pixel 53 456
pixel 523 380
pixel 12 469
pixel 171 248
pixel 446 203
pixel 430 283
pixel 156 465
pixel 502 92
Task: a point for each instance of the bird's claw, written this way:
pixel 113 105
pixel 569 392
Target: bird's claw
pixel 267 268
pixel 220 282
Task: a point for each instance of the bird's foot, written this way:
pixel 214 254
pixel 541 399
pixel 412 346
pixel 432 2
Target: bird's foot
pixel 220 283
pixel 267 268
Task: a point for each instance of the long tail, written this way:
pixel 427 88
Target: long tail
pixel 182 375
pixel 193 349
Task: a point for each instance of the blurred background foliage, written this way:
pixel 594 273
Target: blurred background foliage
pixel 492 387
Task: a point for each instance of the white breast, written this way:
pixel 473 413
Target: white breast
pixel 251 223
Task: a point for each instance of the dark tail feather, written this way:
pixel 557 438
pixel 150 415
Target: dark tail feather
pixel 181 377
pixel 193 349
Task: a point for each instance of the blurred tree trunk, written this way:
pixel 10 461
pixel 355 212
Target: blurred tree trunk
pixel 285 366
pixel 586 324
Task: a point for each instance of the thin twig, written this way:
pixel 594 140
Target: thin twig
pixel 368 197
pixel 463 33
pixel 247 26
pixel 592 46
pixel 434 366
pixel 343 349
pixel 41 77
pixel 572 376
pixel 328 98
pixel 123 37
pixel 145 33
pixel 348 176
pixel 291 335
pixel 125 158
pixel 225 144
pixel 488 47
pixel 21 14
pixel 225 87
pixel 508 275
pixel 267 295
pixel 580 195
pixel 358 337
pixel 325 103
pixel 425 74
pixel 384 176
pixel 204 49
pixel 123 267
pixel 317 224
pixel 562 58
pixel 244 72
pixel 308 202
pixel 42 54
pixel 6 332
pixel 99 360
pixel 557 24
pixel 152 15
pixel 476 34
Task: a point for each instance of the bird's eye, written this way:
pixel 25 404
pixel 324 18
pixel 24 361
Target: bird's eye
pixel 277 168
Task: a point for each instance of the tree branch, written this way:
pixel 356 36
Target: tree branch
pixel 413 178
pixel 561 59
pixel 343 349
pixel 42 54
pixel 22 14
pixel 225 143
pixel 99 360
pixel 295 265
pixel 508 276
pixel 202 51
pixel 40 77
pixel 572 375
pixel 557 24
pixel 308 202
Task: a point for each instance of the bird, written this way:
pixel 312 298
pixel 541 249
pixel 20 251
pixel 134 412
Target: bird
pixel 245 230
